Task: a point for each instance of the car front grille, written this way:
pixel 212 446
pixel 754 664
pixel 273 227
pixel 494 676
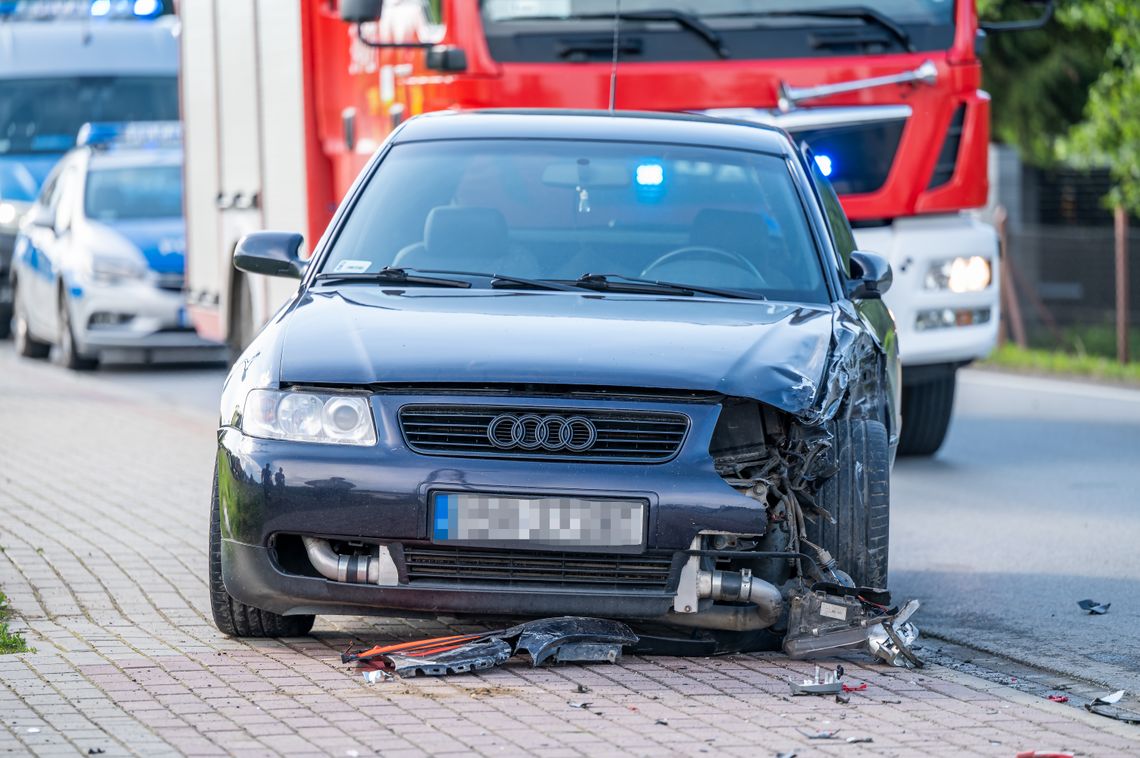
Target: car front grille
pixel 515 568
pixel 473 430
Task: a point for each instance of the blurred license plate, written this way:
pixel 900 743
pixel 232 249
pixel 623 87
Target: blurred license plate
pixel 557 521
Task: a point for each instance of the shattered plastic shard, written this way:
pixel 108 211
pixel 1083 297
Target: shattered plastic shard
pixel 1093 607
pixel 571 639
pixel 473 656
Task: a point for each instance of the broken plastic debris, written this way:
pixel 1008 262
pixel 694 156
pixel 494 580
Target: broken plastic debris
pixel 865 626
pixel 1105 705
pixel 661 722
pixel 584 706
pixel 849 688
pixel 583 689
pixel 859 739
pixel 829 685
pixel 562 639
pixel 820 735
pixel 1112 699
pixel 1059 698
pixel 1094 607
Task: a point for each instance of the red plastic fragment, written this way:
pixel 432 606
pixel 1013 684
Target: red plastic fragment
pixel 849 688
pixel 1059 698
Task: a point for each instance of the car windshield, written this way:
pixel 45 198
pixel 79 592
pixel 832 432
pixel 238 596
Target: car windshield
pixel 900 11
pixel 558 210
pixel 137 192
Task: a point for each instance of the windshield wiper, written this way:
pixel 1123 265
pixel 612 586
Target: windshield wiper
pixel 499 281
pixel 684 20
pixel 607 283
pixel 862 12
pixel 389 275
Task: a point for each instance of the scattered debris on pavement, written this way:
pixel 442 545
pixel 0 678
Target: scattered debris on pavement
pixel 828 685
pixel 1059 698
pixel 562 639
pixel 1106 705
pixel 1095 608
pixel 823 734
pixel 854 740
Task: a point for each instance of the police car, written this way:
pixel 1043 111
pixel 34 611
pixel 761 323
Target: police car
pixel 99 263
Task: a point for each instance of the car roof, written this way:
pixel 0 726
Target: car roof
pixel 640 126
pixel 133 157
pixel 67 47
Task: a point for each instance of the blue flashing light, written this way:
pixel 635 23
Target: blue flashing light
pixel 137 134
pixel 649 175
pixel 147 8
pixel 100 8
pixel 825 164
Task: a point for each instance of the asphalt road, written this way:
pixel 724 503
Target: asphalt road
pixel 1032 505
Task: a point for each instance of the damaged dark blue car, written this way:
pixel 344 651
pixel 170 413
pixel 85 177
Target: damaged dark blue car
pixel 565 363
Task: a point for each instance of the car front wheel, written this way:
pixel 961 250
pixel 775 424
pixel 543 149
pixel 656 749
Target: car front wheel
pixel 26 345
pixel 858 498
pixel 69 354
pixel 234 618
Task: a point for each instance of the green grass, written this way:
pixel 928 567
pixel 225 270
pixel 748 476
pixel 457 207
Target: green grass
pixel 1060 362
pixel 10 642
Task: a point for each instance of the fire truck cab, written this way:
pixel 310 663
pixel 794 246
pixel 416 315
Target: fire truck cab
pixel 284 102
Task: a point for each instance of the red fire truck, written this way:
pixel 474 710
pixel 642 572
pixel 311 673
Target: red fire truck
pixel 285 101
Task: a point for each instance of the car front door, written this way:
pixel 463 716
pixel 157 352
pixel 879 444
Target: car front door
pixel 38 276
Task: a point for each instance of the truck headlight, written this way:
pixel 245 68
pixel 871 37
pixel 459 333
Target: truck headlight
pixel 971 274
pixel 309 417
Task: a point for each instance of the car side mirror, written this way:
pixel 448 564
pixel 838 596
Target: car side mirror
pixel 360 11
pixel 42 215
pixel 271 254
pixel 871 276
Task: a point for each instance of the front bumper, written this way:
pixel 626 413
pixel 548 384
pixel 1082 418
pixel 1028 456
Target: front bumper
pixel 912 244
pixel 132 317
pixel 381 494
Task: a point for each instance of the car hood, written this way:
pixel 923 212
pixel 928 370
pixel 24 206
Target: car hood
pixel 361 334
pixel 161 242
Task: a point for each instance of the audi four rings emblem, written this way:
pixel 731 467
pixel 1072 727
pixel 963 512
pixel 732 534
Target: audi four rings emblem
pixel 531 432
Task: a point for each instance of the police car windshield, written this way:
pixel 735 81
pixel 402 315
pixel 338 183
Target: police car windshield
pixel 136 192
pixel 44 115
pixel 556 210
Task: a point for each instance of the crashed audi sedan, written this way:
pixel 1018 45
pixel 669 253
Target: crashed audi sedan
pixel 622 365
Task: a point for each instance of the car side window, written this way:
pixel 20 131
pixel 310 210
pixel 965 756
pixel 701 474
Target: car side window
pixel 48 190
pixel 841 234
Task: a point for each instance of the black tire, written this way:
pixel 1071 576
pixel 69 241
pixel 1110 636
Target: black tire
pixel 858 496
pixel 26 345
pixel 238 619
pixel 926 411
pixel 5 321
pixel 241 320
pixel 69 354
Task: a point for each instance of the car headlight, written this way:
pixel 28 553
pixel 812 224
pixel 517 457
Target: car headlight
pixel 115 270
pixel 971 274
pixel 309 417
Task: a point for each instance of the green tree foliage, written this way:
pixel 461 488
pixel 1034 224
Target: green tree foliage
pixel 1039 80
pixel 1110 134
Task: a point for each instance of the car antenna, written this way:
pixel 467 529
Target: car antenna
pixel 613 65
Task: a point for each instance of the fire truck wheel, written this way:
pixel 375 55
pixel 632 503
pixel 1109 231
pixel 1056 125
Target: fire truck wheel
pixel 926 410
pixel 238 619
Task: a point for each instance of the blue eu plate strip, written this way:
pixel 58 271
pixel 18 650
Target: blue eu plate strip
pixel 444 507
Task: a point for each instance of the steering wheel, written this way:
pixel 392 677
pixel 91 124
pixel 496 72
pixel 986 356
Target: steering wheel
pixel 703 252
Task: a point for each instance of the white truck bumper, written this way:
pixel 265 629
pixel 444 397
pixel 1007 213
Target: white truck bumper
pixel 938 326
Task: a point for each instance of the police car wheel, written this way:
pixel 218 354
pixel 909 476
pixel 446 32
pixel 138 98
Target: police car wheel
pixel 69 354
pixel 26 345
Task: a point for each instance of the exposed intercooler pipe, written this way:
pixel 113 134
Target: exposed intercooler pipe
pixel 357 569
pixel 764 598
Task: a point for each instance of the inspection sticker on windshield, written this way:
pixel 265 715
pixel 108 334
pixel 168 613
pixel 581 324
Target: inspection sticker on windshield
pixel 555 521
pixel 351 267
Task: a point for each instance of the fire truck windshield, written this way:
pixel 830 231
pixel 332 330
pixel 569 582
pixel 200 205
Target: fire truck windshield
pixel 662 30
pixel 557 210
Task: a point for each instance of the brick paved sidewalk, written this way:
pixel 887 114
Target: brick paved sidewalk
pixel 103 510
